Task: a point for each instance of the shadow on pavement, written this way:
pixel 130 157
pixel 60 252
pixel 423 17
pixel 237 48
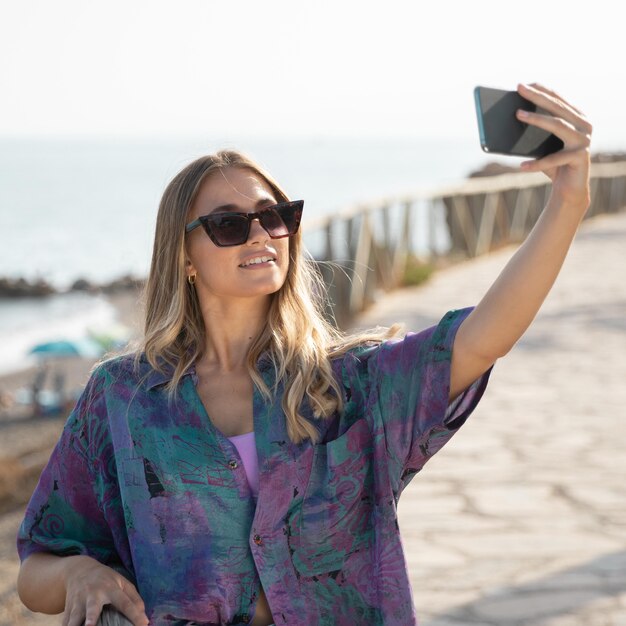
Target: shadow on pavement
pixel 563 593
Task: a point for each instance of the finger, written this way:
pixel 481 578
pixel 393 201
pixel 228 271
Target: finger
pixel 133 610
pixel 114 612
pixel 72 616
pixel 76 617
pixel 562 129
pixel 551 95
pixel 556 96
pixel 555 105
pixel 562 157
pixel 132 593
pixel 93 613
pixel 560 106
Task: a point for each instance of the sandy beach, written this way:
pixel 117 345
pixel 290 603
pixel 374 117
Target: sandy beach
pixel 25 441
pixel 76 370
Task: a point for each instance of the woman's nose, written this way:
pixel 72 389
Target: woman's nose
pixel 257 232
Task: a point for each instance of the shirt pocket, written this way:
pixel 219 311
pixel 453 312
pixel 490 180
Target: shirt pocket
pixel 336 518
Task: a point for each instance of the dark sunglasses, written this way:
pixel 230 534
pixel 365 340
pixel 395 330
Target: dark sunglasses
pixel 233 229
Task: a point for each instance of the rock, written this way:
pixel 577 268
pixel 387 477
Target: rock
pixel 608 157
pixel 21 288
pixel 494 169
pixel 82 284
pixel 123 283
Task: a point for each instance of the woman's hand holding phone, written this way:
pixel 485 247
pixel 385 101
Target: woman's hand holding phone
pixel 569 167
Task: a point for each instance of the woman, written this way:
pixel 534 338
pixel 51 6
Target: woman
pixel 281 506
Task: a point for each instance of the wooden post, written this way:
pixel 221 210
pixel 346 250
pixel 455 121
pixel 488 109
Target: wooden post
pixel 461 213
pixel 486 223
pixel 618 193
pixel 361 266
pixel 383 253
pixel 520 213
pixel 595 197
pixel 403 247
pixel 330 247
pixel 407 221
pixel 386 226
pixel 431 216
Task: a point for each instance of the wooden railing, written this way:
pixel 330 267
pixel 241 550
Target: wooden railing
pixel 366 247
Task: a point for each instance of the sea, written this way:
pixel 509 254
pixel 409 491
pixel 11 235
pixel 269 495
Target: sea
pixel 80 207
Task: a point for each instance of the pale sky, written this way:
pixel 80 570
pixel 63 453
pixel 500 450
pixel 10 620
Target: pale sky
pixel 283 67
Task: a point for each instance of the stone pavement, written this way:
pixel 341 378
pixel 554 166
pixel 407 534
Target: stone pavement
pixel 521 519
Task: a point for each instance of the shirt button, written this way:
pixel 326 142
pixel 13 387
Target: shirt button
pixel 232 464
pixel 258 540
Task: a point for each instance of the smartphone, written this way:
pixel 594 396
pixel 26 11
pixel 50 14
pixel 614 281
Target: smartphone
pixel 500 130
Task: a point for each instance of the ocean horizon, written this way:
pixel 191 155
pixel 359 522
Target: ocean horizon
pixel 86 207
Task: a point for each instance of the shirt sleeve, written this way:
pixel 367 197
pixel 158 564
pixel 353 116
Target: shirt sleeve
pixel 409 387
pixel 64 515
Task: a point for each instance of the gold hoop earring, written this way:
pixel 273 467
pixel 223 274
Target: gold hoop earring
pixel 191 279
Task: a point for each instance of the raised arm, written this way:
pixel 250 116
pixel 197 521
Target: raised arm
pixel 510 305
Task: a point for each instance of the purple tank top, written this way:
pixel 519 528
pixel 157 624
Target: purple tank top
pixel 247 451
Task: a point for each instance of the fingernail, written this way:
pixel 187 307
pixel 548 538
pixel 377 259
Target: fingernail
pixel 521 113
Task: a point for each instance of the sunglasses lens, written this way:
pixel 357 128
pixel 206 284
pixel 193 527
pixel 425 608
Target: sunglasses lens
pixel 229 230
pixel 289 215
pixel 274 224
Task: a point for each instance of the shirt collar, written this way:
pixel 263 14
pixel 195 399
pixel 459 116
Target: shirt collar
pixel 155 378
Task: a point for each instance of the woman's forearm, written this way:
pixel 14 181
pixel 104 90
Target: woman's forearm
pixel 512 302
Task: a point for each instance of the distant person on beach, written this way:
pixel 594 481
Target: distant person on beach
pixel 37 387
pixel 7 401
pixel 244 464
pixel 59 390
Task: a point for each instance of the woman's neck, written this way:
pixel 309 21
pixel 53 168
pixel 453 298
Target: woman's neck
pixel 231 328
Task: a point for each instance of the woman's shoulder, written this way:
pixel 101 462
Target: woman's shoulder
pixel 133 370
pixel 352 362
pixel 131 366
pixel 362 346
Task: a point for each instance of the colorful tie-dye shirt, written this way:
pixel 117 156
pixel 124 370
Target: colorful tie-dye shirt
pixel 158 493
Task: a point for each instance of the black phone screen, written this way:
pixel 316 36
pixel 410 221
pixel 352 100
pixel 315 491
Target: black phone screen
pixel 500 130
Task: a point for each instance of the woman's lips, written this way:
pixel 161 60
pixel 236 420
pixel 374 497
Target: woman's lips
pixel 257 266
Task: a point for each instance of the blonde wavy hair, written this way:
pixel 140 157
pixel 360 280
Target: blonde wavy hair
pixel 297 337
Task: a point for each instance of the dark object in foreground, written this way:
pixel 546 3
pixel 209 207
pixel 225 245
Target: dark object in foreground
pixel 112 617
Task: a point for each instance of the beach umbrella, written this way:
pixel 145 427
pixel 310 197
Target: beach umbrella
pixel 85 347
